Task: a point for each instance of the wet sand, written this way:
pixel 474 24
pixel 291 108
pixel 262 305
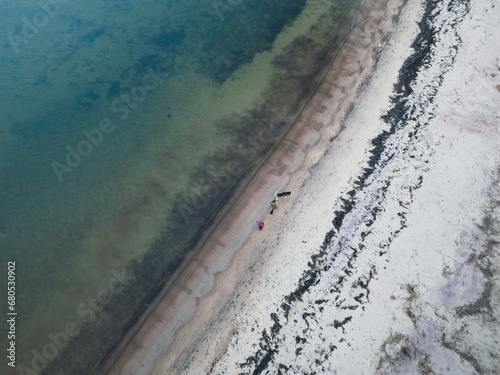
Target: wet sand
pixel 243 281
pixel 318 124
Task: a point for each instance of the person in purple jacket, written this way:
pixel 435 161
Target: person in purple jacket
pixel 260 223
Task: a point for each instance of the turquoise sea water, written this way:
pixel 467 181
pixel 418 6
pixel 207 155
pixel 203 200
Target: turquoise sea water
pixel 125 126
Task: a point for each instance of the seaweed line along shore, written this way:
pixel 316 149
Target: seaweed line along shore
pixel 385 259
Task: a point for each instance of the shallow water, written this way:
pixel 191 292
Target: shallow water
pixel 124 128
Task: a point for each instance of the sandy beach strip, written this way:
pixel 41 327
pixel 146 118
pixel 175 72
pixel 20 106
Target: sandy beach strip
pixel 385 257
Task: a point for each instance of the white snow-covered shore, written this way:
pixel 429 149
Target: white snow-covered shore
pixel 385 259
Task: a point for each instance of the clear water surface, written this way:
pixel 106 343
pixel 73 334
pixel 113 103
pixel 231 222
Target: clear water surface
pixel 124 127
